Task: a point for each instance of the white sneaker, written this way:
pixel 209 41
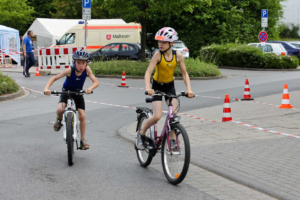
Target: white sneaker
pixel 139 141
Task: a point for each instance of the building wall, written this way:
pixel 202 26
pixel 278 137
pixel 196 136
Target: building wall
pixel 291 12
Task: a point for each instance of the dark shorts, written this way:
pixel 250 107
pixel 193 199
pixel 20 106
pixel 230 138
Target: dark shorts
pixel 163 87
pixel 78 100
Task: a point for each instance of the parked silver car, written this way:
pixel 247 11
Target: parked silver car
pixel 178 46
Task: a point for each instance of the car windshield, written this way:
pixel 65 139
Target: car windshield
pixel 296 45
pixel 68 38
pixel 290 45
pixel 282 47
pixel 178 45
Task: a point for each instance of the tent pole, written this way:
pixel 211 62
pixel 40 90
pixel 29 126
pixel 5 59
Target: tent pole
pixel 85 33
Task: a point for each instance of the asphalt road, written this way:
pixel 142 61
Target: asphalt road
pixel 34 157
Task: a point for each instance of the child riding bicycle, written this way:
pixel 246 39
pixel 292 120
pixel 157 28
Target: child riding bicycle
pixel 164 62
pixel 75 78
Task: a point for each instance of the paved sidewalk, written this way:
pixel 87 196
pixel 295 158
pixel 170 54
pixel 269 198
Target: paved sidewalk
pixel 32 70
pixel 264 161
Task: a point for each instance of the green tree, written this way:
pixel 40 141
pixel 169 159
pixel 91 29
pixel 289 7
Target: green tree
pixel 42 8
pixel 289 31
pixel 72 9
pixel 16 14
pixel 144 11
pixel 223 21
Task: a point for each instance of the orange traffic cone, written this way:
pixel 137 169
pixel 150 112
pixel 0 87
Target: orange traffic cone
pixel 37 72
pixel 247 95
pixel 226 110
pixel 285 98
pixel 123 81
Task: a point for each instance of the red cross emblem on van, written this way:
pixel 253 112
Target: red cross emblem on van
pixel 108 37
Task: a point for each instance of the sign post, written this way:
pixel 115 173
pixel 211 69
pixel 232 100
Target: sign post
pixel 86 15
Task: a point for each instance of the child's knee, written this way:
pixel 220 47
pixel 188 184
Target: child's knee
pixel 82 117
pixel 156 118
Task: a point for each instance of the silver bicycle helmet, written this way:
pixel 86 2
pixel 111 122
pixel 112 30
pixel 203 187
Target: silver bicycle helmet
pixel 81 55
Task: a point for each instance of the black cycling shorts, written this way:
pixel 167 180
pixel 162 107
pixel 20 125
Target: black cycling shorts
pixel 168 88
pixel 78 100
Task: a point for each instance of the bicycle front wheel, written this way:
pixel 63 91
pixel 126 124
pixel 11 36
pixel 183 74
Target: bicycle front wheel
pixel 70 140
pixel 144 156
pixel 176 160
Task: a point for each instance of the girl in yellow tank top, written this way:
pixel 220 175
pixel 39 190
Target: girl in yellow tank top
pixel 164 62
pixel 164 70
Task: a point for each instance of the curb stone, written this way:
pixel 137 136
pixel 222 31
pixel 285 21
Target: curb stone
pixel 176 78
pixel 12 95
pixel 122 132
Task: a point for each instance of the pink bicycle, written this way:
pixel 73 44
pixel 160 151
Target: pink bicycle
pixel 173 141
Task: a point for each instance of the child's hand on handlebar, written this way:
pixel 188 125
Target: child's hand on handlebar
pixel 47 92
pixel 150 92
pixel 88 91
pixel 190 93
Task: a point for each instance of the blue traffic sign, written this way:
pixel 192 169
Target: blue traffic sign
pixel 86 3
pixel 264 13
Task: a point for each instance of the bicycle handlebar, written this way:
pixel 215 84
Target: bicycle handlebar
pixel 169 95
pixel 81 92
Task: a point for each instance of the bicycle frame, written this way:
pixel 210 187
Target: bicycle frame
pixel 67 110
pixel 166 129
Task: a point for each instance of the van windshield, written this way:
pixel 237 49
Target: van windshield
pixel 68 38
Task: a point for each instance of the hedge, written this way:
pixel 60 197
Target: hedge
pixel 238 55
pixel 7 85
pixel 194 67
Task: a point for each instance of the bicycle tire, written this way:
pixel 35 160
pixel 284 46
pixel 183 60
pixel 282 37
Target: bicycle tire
pixel 70 140
pixel 144 156
pixel 178 176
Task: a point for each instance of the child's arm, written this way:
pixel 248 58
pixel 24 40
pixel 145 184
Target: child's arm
pixel 155 59
pixel 185 75
pixel 66 72
pixel 93 78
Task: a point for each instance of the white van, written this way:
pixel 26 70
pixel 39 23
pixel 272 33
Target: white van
pixel 100 35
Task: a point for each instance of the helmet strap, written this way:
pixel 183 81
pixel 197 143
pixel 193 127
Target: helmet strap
pixel 168 48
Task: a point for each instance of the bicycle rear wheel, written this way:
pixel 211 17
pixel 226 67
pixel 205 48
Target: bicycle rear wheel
pixel 176 162
pixel 70 140
pixel 144 156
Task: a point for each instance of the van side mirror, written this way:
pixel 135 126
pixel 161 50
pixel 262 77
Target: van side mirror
pixel 57 42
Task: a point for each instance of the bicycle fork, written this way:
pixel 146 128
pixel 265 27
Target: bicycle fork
pixel 75 126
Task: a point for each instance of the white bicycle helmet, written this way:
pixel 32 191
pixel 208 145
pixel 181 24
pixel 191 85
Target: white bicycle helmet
pixel 167 34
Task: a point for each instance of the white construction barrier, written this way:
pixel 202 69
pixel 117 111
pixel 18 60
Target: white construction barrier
pixel 56 58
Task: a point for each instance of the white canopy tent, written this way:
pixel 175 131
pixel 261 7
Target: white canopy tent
pixel 10 42
pixel 47 31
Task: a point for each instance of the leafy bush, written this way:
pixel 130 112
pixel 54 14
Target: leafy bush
pixel 238 55
pixel 195 68
pixel 7 85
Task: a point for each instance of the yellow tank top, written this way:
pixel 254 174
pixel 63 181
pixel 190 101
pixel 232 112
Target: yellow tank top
pixel 164 70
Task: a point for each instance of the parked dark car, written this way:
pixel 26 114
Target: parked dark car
pixel 119 51
pixel 291 49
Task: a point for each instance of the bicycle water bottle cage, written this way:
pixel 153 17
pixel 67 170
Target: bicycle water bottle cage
pixel 140 110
